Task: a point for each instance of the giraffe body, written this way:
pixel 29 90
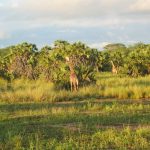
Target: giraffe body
pixel 114 69
pixel 73 82
pixel 73 77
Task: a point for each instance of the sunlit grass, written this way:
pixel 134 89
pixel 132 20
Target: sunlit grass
pixel 107 86
pixel 113 86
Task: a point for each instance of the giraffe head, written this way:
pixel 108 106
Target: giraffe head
pixel 67 59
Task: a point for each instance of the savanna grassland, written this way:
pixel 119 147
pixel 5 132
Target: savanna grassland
pixel 110 110
pixel 113 113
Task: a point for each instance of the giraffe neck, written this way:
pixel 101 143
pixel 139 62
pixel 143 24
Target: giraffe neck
pixel 71 67
pixel 72 71
pixel 112 64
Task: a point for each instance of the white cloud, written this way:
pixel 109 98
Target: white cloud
pixel 67 31
pixel 15 5
pixel 4 35
pixel 64 9
pixel 68 8
pixel 87 13
pixel 141 6
pixel 66 18
pixel 98 45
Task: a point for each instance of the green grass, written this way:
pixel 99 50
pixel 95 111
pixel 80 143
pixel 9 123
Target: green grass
pixel 112 114
pixel 107 86
pixel 75 125
pixel 122 87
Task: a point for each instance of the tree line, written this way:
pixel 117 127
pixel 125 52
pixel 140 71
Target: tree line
pixel 25 60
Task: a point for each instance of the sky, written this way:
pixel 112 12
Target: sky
pixel 94 22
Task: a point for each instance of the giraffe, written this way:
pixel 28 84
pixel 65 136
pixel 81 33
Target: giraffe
pixel 114 69
pixel 73 77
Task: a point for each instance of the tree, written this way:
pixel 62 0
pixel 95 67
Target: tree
pixel 23 60
pixel 138 61
pixel 114 46
pixel 86 61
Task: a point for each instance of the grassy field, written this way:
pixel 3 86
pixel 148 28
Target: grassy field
pixel 107 86
pixel 113 114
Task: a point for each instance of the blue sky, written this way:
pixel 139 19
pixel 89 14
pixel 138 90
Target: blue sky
pixel 95 22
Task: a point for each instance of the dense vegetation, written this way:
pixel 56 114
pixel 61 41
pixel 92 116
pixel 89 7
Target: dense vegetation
pixel 25 60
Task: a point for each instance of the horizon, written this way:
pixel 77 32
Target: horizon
pixel 52 45
pixel 93 22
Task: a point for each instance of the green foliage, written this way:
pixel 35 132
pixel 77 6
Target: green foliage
pixel 25 60
pixel 84 60
pixel 138 61
pixel 133 60
pixel 20 62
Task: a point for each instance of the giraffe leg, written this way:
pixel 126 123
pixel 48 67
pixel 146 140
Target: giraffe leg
pixel 71 85
pixel 75 88
pixel 77 83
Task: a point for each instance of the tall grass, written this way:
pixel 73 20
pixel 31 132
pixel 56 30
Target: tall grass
pixel 38 91
pixel 113 86
pixel 26 90
pixel 107 86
